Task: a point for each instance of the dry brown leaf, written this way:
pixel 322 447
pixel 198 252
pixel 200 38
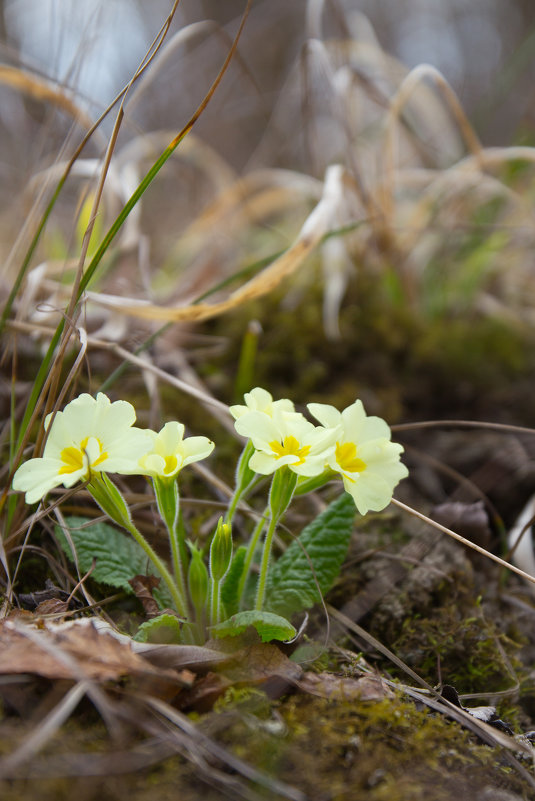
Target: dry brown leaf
pixel 194 657
pixel 143 587
pixel 205 693
pixel 327 685
pixel 52 606
pixel 265 662
pixel 70 652
pixel 262 664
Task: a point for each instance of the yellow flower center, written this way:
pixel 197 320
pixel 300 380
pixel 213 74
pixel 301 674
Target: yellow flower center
pixel 346 456
pixel 73 457
pixel 171 464
pixel 290 447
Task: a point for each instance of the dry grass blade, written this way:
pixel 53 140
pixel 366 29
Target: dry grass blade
pixel 204 745
pixel 42 90
pixel 45 730
pixel 150 752
pixel 484 731
pixel 400 99
pixel 464 541
pixel 319 222
pixel 463 424
pixel 179 39
pixel 350 625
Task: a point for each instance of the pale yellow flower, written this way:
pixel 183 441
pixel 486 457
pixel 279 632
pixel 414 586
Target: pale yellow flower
pixel 260 400
pixel 89 436
pixel 367 460
pixel 286 438
pixel 170 452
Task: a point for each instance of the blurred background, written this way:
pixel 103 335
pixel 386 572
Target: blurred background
pixel 312 84
pixel 484 48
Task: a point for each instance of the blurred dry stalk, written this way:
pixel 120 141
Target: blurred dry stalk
pixel 413 195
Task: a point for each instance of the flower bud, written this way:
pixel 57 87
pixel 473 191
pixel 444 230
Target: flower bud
pixel 198 580
pixel 220 550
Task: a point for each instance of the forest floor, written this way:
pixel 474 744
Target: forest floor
pixel 353 711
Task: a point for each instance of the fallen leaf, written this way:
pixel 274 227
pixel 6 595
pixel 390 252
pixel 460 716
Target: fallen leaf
pixel 143 587
pixel 262 664
pixel 205 692
pixel 52 606
pixel 32 600
pixel 71 652
pixel 327 685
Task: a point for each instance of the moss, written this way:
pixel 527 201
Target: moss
pixel 384 750
pixel 399 361
pixel 440 629
pixel 469 650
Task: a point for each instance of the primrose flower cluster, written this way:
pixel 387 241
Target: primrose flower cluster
pixel 348 443
pixel 93 438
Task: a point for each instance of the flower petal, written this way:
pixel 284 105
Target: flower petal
pixel 325 414
pixel 38 476
pixel 264 464
pixel 258 427
pixel 196 448
pixel 370 492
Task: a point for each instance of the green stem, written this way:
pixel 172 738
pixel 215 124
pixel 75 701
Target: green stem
pixel 168 500
pixel 161 568
pixel 233 506
pixel 114 505
pixel 264 565
pixel 215 602
pixel 244 478
pixel 239 494
pixel 281 493
pixel 178 565
pixel 251 548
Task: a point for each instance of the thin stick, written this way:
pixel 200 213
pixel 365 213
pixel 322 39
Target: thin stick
pixel 464 541
pixel 463 424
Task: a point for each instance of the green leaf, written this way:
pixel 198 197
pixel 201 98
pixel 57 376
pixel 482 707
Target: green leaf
pixel 268 626
pixel 162 629
pixel 291 586
pixel 118 557
pixel 231 582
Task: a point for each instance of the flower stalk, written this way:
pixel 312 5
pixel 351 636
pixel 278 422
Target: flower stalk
pixel 220 559
pixel 168 502
pixel 110 500
pixel 280 497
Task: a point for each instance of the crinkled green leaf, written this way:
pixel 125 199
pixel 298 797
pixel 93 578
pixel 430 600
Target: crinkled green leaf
pixel 118 557
pixel 291 586
pixel 162 629
pixel 268 626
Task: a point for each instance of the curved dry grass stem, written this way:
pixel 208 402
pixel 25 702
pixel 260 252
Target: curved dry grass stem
pixel 463 424
pixel 407 87
pixel 463 540
pixel 318 223
pixel 42 90
pixel 146 61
